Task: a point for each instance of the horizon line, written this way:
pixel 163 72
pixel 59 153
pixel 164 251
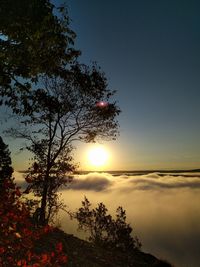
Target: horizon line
pixel 140 170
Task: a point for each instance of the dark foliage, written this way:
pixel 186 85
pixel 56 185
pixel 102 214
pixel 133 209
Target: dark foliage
pixel 35 39
pixel 5 162
pixel 18 236
pixel 56 96
pixel 62 111
pixel 105 231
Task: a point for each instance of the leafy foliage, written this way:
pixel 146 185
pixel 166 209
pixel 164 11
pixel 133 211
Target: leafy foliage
pixel 38 41
pixel 55 95
pixel 19 237
pixel 5 163
pixel 63 111
pixel 103 229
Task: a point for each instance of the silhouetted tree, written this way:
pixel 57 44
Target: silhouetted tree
pixel 5 162
pixel 103 229
pixel 58 109
pixel 64 111
pixel 35 39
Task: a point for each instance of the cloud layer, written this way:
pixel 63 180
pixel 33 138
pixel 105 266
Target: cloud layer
pixel 152 181
pixel 162 208
pixel 92 181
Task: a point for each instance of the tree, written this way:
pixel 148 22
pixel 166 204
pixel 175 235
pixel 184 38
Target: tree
pixel 121 232
pixel 35 39
pixel 5 162
pixel 103 229
pixel 64 110
pixel 38 43
pixel 19 237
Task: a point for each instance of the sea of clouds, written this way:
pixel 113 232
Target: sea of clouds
pixel 162 208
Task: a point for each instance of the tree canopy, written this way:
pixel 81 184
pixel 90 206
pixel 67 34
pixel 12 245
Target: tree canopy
pixel 35 39
pixel 63 111
pixel 5 162
pixel 57 98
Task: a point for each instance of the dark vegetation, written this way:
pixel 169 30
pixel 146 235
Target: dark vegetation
pixel 55 98
pixel 5 163
pixel 105 231
pixel 18 235
pixel 53 95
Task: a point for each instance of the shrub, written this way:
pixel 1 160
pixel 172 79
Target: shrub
pixel 19 236
pixel 103 229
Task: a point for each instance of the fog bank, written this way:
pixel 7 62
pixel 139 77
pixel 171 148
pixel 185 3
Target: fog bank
pixel 163 210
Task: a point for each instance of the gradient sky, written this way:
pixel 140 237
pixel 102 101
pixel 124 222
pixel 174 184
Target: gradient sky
pixel 150 53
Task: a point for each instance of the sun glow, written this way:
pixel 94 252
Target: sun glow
pixel 98 156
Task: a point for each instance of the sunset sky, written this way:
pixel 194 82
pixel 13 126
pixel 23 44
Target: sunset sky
pixel 150 53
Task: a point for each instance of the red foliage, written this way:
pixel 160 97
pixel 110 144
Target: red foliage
pixel 19 236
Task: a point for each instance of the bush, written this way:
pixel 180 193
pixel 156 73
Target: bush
pixel 103 229
pixel 19 236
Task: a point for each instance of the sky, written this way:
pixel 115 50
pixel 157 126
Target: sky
pixel 149 50
pixel 150 53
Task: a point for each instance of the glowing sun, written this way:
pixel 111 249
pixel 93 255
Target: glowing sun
pixel 98 156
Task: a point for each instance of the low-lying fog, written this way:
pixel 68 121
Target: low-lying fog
pixel 162 208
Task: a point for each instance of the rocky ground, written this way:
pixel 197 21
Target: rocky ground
pixel 83 254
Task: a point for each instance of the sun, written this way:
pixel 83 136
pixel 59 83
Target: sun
pixel 98 156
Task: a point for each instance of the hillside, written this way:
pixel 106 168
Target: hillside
pixel 83 254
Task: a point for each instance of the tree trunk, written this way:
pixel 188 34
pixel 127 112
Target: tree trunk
pixel 42 219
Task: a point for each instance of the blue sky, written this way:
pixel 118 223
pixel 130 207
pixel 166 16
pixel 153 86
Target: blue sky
pixel 150 53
